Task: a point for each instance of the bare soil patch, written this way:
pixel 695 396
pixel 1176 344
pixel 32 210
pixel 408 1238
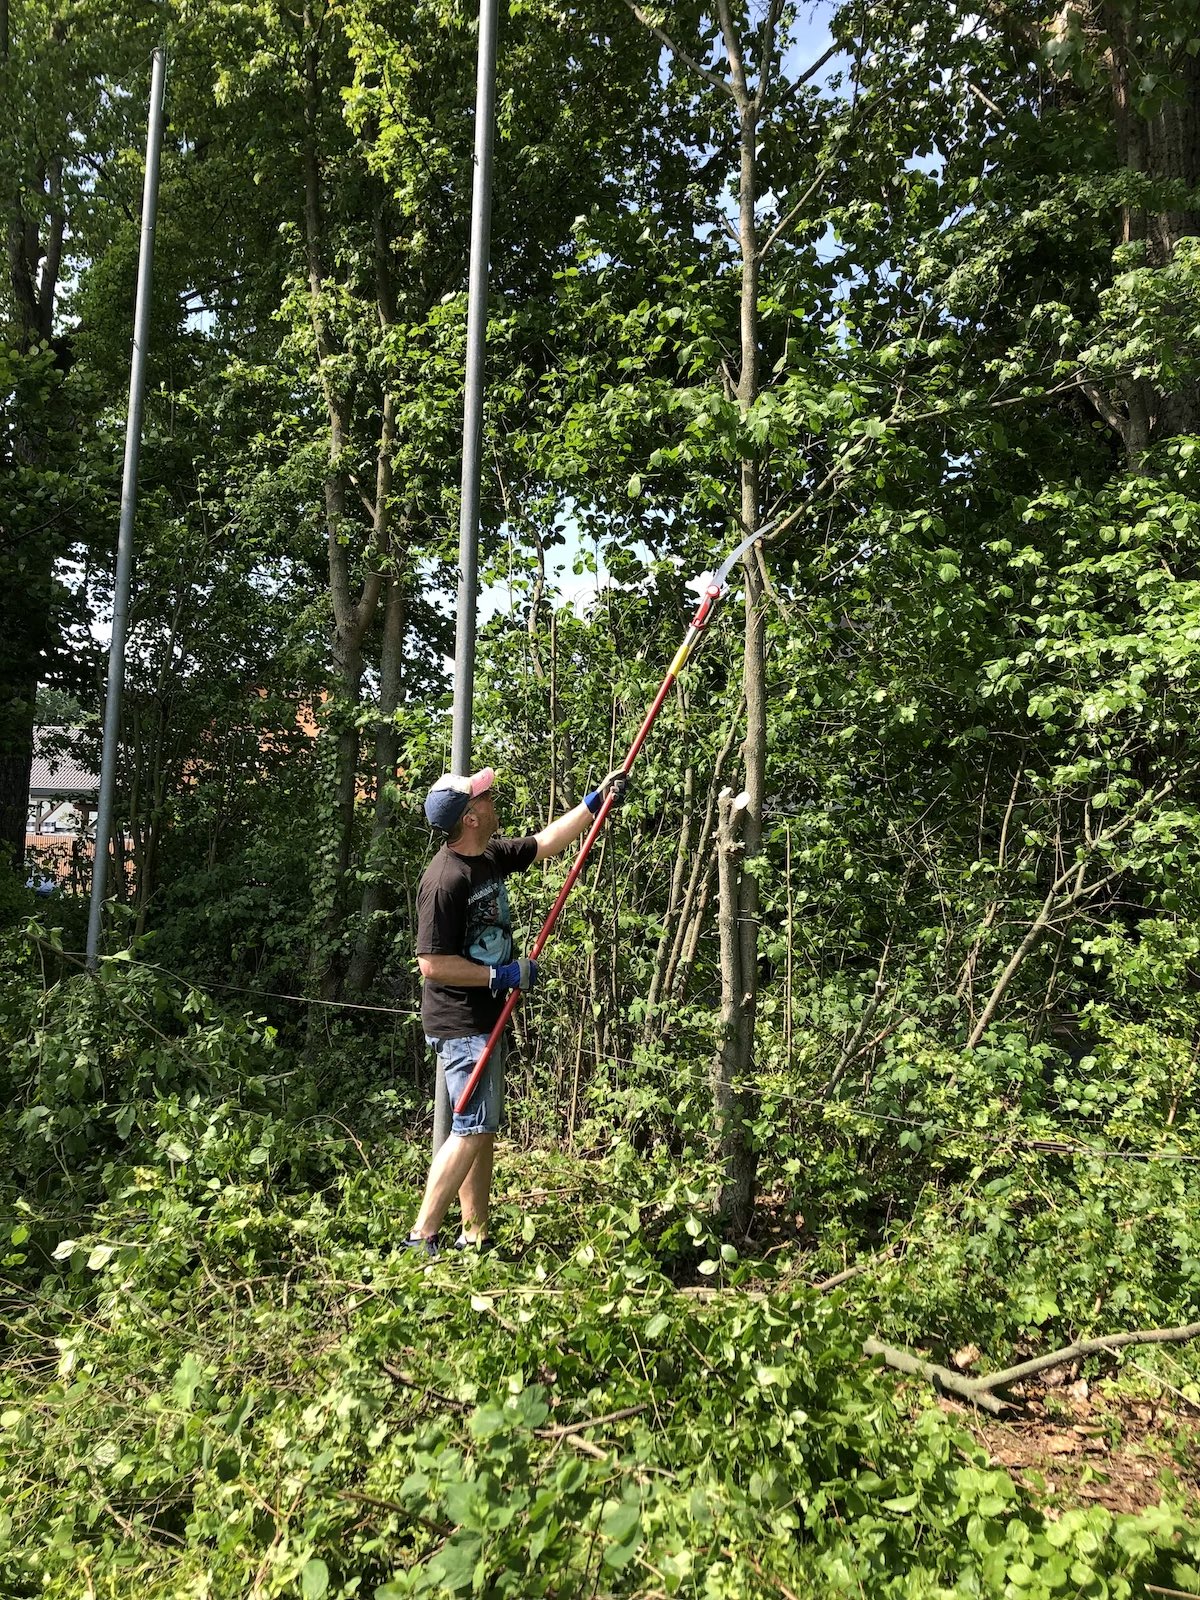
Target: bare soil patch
pixel 1093 1444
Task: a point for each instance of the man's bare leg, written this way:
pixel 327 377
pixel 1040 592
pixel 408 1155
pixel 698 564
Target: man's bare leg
pixel 476 1188
pixel 448 1174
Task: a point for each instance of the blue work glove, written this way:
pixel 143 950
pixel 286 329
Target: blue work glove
pixel 617 781
pixel 520 974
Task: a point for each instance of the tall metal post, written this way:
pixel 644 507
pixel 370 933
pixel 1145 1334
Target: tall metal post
pixel 133 446
pixel 477 295
pixel 468 520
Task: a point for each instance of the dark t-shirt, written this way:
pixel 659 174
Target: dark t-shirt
pixel 462 910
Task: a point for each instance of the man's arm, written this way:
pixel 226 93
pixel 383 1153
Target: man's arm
pixel 456 971
pixel 557 835
pixel 460 973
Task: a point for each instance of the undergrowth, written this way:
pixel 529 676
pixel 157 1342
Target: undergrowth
pixel 226 1389
pixel 218 1380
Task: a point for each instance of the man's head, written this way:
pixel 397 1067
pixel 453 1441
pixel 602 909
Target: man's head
pixel 462 808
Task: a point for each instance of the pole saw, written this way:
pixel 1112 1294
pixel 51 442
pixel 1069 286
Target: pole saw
pixel 713 594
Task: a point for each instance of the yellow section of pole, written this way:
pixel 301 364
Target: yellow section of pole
pixel 680 661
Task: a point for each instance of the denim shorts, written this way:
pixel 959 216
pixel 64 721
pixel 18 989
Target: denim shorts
pixel 457 1058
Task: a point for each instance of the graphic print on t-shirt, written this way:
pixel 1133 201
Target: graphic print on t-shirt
pixel 489 924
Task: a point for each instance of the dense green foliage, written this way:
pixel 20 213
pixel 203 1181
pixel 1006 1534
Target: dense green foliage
pixel 928 309
pixel 219 1379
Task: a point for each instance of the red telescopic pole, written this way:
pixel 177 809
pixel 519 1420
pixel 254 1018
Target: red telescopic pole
pixel 699 623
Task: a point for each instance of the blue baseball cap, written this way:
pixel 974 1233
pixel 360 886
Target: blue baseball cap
pixel 451 795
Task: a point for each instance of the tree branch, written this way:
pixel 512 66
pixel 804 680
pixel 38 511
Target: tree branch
pixel 714 78
pixel 1056 902
pixel 856 126
pixel 766 40
pixel 785 223
pixel 1087 1347
pixel 990 104
pixel 810 72
pixel 981 1391
pixel 565 1429
pixel 361 1499
pixel 806 76
pixel 851 1048
pixel 733 49
pixel 1115 420
pixel 857 446
pixel 943 1379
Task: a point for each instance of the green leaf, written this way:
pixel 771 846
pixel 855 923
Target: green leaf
pixel 769 1376
pixel 455 1564
pixel 488 1421
pixel 188 1377
pixel 622 1520
pixel 902 1502
pixel 616 1555
pixel 622 1526
pixel 314 1579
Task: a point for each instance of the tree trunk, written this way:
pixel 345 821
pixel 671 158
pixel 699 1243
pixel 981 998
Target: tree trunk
pixel 739 962
pixel 16 759
pixel 739 987
pixel 1163 145
pixel 666 943
pixel 730 1097
pixel 155 811
pixel 693 927
pixel 342 729
pixel 351 616
pixel 377 896
pixel 34 248
pixel 696 896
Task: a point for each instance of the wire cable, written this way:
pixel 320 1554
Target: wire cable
pixel 829 1108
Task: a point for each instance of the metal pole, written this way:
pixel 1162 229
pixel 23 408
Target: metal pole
pixel 468 520
pixel 133 445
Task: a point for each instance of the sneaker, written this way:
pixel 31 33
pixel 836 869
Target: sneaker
pixel 422 1246
pixel 482 1245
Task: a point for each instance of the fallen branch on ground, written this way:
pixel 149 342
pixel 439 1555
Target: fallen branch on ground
pixel 1089 1347
pixel 566 1428
pixel 356 1495
pixel 982 1391
pixel 704 1293
pixel 943 1379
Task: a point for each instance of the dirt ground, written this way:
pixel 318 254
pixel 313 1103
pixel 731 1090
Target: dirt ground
pixel 1095 1444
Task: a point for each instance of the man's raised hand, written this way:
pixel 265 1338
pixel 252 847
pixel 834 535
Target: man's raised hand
pixel 616 782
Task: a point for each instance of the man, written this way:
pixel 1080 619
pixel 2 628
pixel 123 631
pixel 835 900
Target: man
pixel 465 953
